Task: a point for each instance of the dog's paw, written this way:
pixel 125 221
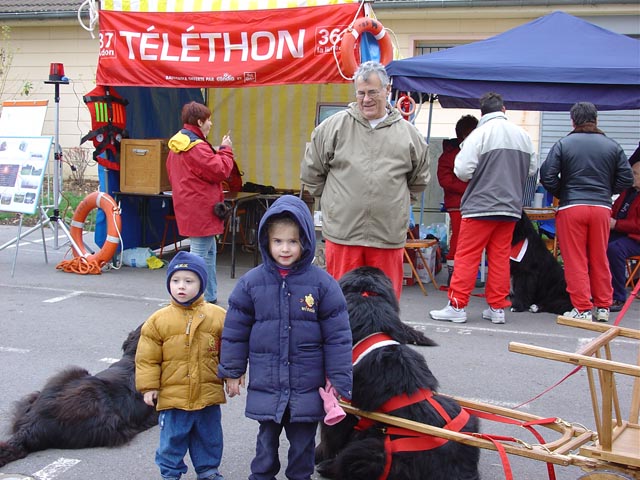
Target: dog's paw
pixel 534 308
pixel 326 468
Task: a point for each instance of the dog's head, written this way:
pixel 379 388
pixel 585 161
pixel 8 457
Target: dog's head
pixel 131 342
pixel 524 229
pixel 373 307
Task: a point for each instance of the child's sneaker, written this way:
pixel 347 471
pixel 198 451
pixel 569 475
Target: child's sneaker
pixel 602 315
pixel 215 476
pixel 496 315
pixel 449 314
pixel 575 313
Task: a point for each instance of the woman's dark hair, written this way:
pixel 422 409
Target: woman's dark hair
pixel 465 126
pixel 194 111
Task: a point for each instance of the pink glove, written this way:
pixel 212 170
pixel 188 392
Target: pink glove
pixel 334 412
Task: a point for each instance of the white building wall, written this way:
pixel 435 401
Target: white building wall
pixel 35 47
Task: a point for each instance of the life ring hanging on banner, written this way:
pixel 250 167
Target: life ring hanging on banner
pixel 92 263
pixel 406 106
pixel 349 39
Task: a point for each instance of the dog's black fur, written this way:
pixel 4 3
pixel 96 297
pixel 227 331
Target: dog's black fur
pixel 537 282
pixel 347 454
pixel 79 410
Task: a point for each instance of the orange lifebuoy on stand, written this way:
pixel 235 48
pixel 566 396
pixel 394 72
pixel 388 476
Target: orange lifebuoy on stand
pixel 85 262
pixel 349 39
pixel 406 106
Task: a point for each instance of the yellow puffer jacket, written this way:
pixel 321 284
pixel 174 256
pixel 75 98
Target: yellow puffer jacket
pixel 178 355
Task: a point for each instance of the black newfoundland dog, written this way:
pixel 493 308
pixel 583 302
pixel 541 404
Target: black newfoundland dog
pixel 537 281
pixel 79 410
pixel 389 373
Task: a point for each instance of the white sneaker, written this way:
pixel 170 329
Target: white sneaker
pixel 575 313
pixel 495 315
pixel 449 314
pixel 602 315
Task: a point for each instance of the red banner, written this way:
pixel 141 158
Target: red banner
pixel 221 49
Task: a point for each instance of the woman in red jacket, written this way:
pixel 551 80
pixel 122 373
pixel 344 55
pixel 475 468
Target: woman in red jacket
pixel 196 172
pixel 453 187
pixel 624 239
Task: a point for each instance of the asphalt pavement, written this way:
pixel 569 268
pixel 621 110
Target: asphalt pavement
pixel 51 319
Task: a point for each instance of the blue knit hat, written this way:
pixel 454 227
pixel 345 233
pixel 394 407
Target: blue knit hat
pixel 193 263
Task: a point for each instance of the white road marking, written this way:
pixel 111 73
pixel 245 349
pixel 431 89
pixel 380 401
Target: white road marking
pixel 466 329
pixel 14 350
pixel 109 360
pixel 63 297
pixel 56 468
pixel 161 301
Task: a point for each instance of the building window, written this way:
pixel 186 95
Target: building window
pixel 423 48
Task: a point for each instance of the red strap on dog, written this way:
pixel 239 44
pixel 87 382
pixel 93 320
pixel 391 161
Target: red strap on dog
pixel 367 344
pixel 512 421
pixel 412 441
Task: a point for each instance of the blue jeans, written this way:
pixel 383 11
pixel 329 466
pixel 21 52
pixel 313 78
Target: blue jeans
pixel 199 432
pixel 620 247
pixel 206 248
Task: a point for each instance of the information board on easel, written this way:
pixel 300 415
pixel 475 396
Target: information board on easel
pixel 24 154
pixel 23 162
pixel 22 118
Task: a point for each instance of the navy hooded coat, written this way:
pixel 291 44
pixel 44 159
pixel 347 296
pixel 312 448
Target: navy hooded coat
pixel 293 331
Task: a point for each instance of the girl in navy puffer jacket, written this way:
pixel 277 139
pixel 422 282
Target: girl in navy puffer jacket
pixel 288 319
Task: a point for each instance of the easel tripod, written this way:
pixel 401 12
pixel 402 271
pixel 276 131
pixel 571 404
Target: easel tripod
pixel 58 223
pixel 54 221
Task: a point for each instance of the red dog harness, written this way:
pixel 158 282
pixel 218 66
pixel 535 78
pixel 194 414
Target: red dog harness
pixel 409 441
pixel 370 343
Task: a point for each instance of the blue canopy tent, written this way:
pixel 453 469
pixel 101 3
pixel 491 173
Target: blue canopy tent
pixel 547 64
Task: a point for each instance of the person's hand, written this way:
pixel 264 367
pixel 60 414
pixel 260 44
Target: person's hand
pixel 232 385
pixel 226 140
pixel 150 397
pixel 612 223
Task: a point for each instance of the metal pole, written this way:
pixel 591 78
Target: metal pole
pixel 432 98
pixel 57 158
pixel 57 174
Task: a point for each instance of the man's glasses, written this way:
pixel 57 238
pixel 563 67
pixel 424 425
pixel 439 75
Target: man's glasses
pixel 372 94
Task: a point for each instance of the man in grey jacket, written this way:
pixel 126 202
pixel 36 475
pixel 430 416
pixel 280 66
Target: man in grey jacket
pixel 496 159
pixel 367 164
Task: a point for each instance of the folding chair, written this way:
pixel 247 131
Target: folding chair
pixel 416 245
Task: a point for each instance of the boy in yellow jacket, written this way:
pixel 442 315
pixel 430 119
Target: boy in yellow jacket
pixel 176 369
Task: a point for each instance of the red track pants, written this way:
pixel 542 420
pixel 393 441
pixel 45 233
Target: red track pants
pixel 583 235
pixel 455 218
pixel 475 236
pixel 344 258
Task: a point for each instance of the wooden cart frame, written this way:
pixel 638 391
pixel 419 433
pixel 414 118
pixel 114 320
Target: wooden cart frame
pixel 610 453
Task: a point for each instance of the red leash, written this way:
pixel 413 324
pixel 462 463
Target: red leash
pixel 495 439
pixel 619 318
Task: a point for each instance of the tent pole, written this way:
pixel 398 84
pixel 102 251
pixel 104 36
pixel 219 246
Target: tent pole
pixel 432 97
pixel 431 100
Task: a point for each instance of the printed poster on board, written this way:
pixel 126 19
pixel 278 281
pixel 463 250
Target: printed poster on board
pixel 23 162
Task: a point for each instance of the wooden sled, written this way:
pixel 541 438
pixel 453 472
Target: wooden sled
pixel 610 453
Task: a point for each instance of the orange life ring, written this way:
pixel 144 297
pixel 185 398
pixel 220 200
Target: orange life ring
pixel 349 39
pixel 108 205
pixel 402 102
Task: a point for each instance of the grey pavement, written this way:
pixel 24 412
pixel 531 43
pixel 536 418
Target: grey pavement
pixel 51 319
